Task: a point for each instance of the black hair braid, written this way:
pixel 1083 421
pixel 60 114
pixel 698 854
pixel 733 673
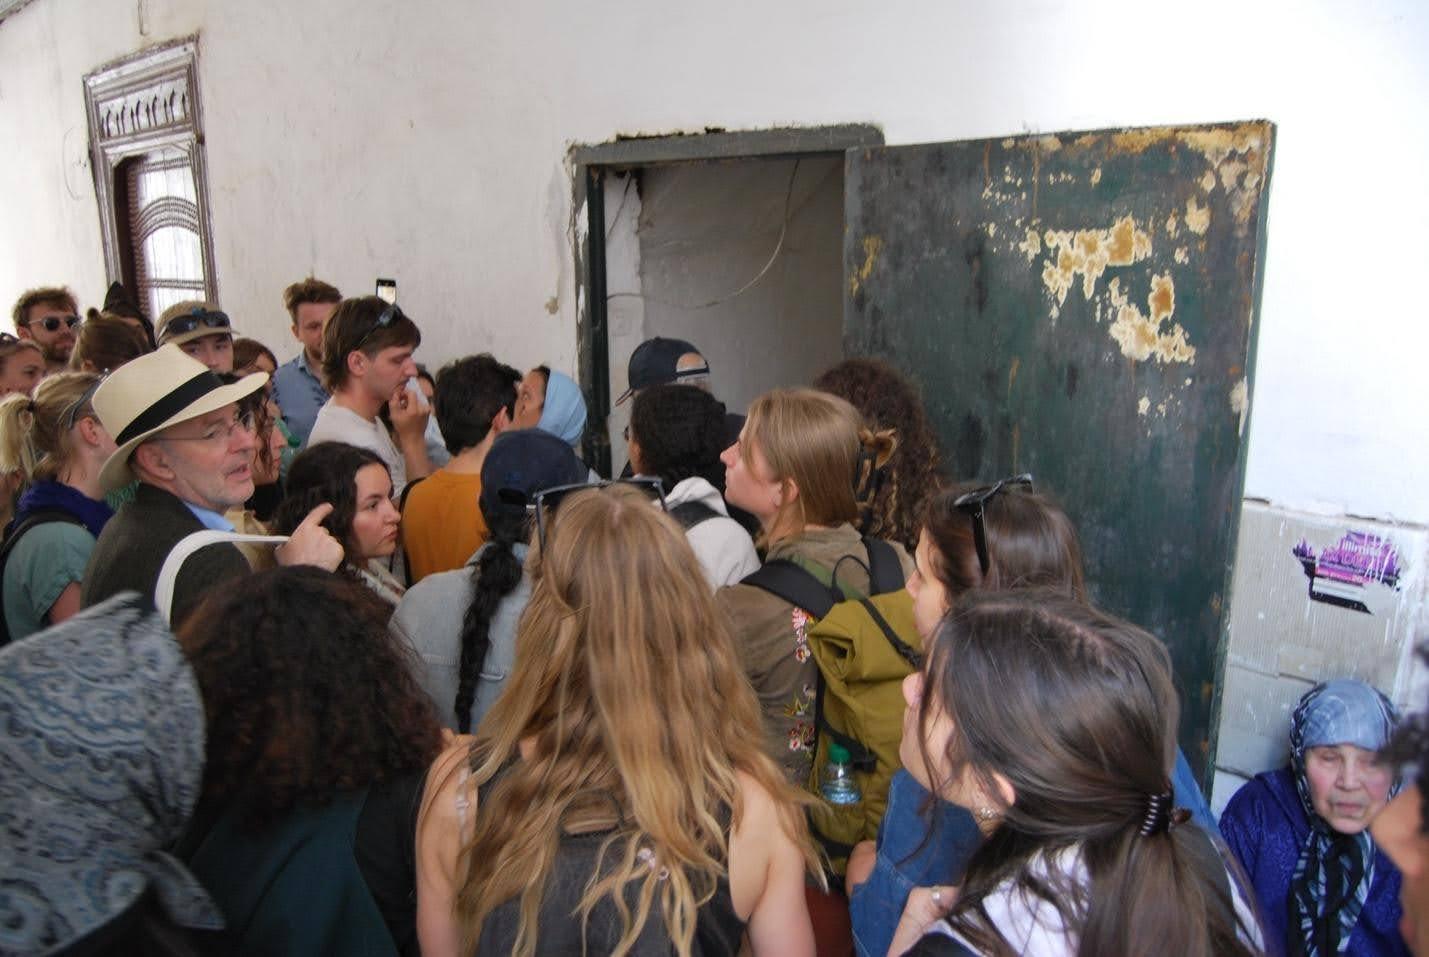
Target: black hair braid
pixel 495 575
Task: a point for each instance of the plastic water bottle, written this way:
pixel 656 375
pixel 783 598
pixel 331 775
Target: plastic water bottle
pixel 839 785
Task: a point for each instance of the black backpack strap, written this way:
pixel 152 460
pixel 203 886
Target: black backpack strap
pixel 784 579
pixel 690 514
pixel 407 490
pixel 905 651
pixel 885 571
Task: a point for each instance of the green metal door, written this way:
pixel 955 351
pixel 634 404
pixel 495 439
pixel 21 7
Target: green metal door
pixel 1083 306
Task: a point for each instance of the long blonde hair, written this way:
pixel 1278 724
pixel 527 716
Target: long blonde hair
pixel 35 433
pixel 816 440
pixel 628 684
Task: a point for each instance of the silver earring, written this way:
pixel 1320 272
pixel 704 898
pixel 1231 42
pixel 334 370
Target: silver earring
pixel 986 813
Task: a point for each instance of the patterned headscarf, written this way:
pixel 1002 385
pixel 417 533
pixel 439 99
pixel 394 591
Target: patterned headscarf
pixel 101 759
pixel 1334 871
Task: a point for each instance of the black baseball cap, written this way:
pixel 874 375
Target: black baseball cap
pixel 655 362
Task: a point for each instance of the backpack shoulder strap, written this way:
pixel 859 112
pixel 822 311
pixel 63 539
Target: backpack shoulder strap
pixel 42 516
pixel 885 571
pixel 36 518
pixel 784 579
pixel 690 514
pixel 186 546
pixel 407 490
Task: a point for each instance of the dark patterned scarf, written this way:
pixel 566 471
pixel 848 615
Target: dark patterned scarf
pixel 1334 871
pixel 101 758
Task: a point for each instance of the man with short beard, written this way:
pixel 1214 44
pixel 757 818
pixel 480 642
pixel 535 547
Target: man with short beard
pixel 48 316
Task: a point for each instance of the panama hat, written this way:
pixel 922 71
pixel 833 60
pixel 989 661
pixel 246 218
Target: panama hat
pixel 148 394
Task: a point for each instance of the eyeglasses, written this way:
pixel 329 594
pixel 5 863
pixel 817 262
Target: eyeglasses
pixel 223 432
pixel 972 503
pixel 388 316
pixel 71 414
pixel 547 500
pixel 52 323
pixel 196 317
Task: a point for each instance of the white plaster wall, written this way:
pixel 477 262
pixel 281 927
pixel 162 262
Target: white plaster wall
pixel 708 234
pixel 428 142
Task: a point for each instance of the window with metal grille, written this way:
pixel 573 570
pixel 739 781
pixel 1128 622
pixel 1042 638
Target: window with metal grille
pixel 163 254
pixel 147 143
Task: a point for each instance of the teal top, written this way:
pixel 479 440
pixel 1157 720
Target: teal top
pixel 45 560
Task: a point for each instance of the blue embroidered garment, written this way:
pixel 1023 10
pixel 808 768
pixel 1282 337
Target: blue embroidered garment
pixel 101 761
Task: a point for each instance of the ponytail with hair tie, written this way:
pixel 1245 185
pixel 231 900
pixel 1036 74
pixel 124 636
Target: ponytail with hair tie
pixel 1161 816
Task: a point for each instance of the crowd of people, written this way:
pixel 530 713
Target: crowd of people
pixel 337 656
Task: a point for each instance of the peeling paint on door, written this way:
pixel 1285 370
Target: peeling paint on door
pixel 1141 336
pixel 1198 217
pixel 872 247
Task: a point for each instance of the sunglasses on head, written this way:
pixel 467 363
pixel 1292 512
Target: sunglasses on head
pixel 195 319
pixel 52 323
pixel 972 503
pixel 388 316
pixel 546 501
pixel 71 415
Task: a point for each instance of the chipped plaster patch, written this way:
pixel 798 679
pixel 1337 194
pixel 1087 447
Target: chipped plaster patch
pixel 1208 182
pixel 1198 217
pixel 1181 255
pixel 1173 225
pixel 991 229
pixel 1143 406
pixel 1096 176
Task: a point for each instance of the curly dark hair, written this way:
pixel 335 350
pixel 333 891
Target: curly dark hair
pixel 326 472
pixel 887 400
pixel 306 693
pixel 680 431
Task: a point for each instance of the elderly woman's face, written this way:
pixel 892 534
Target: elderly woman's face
pixel 1349 785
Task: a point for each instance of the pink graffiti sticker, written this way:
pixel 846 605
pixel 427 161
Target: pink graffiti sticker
pixel 1341 572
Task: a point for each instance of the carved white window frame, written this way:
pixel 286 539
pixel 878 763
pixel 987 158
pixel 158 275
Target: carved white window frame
pixel 141 103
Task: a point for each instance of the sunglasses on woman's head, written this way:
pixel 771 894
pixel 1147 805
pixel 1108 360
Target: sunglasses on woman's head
pixel 52 323
pixel 71 414
pixel 546 501
pixel 972 503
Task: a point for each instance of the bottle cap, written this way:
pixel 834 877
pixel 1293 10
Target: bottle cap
pixel 838 754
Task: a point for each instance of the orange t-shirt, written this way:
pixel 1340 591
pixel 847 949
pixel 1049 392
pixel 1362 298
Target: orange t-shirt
pixel 442 525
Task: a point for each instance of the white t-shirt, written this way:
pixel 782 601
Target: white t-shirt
pixel 338 424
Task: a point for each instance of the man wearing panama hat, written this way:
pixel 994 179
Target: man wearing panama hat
pixel 179 432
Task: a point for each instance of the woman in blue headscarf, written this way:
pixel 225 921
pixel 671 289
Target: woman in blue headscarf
pixel 552 402
pixel 101 760
pixel 1302 832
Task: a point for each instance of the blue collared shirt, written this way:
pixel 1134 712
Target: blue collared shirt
pixel 300 394
pixel 209 518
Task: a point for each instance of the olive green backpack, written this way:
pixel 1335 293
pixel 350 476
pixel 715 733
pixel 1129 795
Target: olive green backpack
pixel 864 647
